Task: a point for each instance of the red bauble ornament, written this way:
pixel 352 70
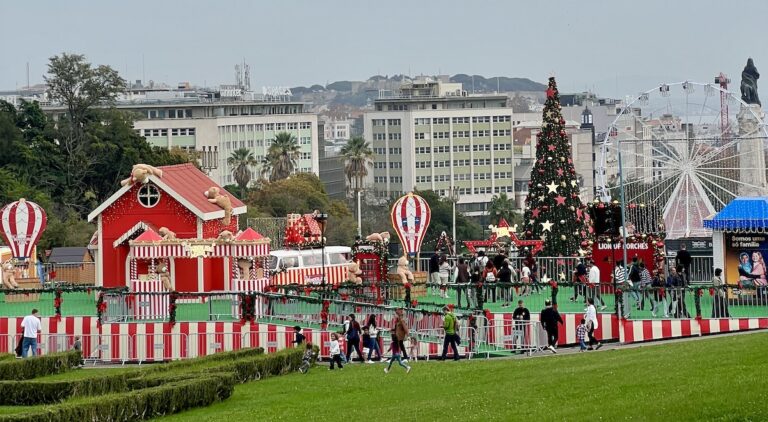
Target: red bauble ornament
pixel 550 92
pixel 541 171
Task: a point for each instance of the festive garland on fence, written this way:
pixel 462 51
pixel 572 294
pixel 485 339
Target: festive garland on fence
pixel 57 304
pixel 248 307
pixel 172 298
pixel 379 248
pixel 67 289
pixel 101 307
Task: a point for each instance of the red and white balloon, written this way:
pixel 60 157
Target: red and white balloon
pixel 410 219
pixel 23 222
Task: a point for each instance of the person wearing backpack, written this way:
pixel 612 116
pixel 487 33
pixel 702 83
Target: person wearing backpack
pixel 451 338
pixel 490 274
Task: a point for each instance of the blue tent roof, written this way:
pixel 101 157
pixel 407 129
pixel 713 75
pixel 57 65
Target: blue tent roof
pixel 741 214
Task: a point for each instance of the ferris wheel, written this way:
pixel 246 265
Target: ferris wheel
pixel 678 150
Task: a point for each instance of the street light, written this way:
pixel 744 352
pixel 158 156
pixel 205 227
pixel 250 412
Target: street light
pixel 321 219
pixel 454 197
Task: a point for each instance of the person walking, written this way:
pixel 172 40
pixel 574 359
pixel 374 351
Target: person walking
pixel 549 319
pixel 394 347
pixel 451 337
pixel 434 273
pixel 659 295
pixel 683 260
pixel 522 318
pixel 335 351
pixel 620 287
pixel 720 302
pixel 594 284
pixel 634 281
pixel 401 332
pixel 579 281
pixel 490 275
pixel 444 272
pixel 645 288
pixel 590 315
pixel 353 338
pixel 462 282
pixel 581 334
pixel 32 326
pixel 373 338
pixel 505 283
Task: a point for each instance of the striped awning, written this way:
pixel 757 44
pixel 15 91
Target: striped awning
pixel 194 248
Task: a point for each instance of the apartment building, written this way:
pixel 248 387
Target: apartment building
pixel 433 135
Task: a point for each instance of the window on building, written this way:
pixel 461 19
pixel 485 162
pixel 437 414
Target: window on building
pixel 394 136
pixel 148 195
pixel 421 121
pixel 293 126
pixel 305 125
pixel 378 122
pixel 393 122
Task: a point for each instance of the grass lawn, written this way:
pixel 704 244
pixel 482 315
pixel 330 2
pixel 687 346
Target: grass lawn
pixel 718 378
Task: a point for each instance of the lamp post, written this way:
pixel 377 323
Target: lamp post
pixel 623 222
pixel 454 197
pixel 321 219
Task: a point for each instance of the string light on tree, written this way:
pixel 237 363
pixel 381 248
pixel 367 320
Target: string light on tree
pixel 554 193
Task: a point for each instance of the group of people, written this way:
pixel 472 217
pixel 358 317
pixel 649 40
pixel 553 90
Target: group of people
pixel 470 276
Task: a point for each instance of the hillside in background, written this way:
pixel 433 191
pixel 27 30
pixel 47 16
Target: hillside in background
pixel 359 93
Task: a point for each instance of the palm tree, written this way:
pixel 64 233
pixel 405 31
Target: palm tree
pixel 241 161
pixel 357 156
pixel 502 207
pixel 281 157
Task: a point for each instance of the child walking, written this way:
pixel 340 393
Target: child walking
pixel 335 351
pixel 395 348
pixel 306 360
pixel 581 334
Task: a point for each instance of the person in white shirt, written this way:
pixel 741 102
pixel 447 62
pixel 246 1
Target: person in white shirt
pixel 590 315
pixel 335 351
pixel 594 284
pixel 525 278
pixel 32 326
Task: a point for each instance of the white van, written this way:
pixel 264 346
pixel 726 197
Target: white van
pixel 306 266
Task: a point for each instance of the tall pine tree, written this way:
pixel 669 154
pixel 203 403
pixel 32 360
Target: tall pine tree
pixel 553 209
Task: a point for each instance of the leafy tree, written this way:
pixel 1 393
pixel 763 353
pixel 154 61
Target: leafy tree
pixel 357 156
pixel 240 162
pixel 502 206
pixel 299 193
pixel 280 161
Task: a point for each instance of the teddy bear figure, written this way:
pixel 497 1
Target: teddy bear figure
pixel 162 272
pixel 355 272
pixel 215 197
pixel 245 268
pixel 9 279
pixel 166 234
pixel 140 173
pixel 403 271
pixel 226 236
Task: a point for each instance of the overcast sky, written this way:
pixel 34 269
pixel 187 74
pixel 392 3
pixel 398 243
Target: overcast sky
pixel 616 47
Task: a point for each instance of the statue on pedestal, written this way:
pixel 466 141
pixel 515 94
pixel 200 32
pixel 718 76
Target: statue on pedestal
pixel 749 77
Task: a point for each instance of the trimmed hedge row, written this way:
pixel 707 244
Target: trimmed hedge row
pixel 142 404
pixel 39 366
pixel 6 356
pixel 127 398
pixel 29 393
pixel 216 357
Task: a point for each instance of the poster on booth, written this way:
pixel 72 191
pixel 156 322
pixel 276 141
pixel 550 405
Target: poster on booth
pixel 745 259
pixel 606 254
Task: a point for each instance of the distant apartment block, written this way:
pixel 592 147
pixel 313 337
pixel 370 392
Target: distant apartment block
pixel 432 135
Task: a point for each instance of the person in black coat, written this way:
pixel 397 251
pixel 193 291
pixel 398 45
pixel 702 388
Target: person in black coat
pixel 549 319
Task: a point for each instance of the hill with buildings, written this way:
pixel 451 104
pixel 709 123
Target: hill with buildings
pixel 359 93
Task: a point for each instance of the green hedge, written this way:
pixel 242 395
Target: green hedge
pixel 6 356
pixel 142 404
pixel 39 366
pixel 279 363
pixel 210 359
pixel 45 392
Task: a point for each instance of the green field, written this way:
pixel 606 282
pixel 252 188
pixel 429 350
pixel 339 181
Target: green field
pixel 718 378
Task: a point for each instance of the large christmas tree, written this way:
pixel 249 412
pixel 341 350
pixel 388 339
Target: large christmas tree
pixel 553 209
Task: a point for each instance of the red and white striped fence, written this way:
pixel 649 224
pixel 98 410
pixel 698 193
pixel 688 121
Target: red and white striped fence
pixel 150 306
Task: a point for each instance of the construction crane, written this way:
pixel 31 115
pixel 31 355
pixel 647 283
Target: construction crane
pixel 723 81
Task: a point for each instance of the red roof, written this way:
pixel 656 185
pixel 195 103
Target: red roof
pixel 249 234
pixel 149 235
pixel 191 183
pixel 187 184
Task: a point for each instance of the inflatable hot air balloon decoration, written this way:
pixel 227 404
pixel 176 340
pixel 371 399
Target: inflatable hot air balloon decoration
pixel 22 223
pixel 410 219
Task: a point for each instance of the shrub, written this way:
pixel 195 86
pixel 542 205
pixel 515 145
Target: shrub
pixel 216 357
pixel 24 369
pixel 139 404
pixel 45 392
pixel 282 362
